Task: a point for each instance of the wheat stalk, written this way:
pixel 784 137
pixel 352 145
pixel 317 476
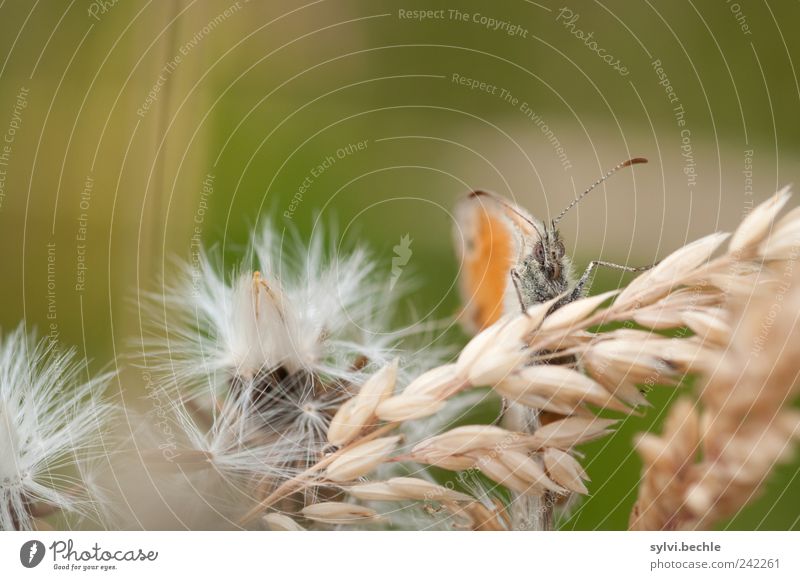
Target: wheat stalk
pixel 378 436
pixel 716 450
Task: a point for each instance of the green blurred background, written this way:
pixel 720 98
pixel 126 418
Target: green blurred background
pixel 102 186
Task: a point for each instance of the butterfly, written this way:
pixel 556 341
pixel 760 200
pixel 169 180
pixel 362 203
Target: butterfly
pixel 511 260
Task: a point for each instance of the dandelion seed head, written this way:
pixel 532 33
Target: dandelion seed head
pixel 48 419
pixel 292 307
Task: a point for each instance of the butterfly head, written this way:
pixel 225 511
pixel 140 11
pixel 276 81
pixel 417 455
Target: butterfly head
pixel 546 271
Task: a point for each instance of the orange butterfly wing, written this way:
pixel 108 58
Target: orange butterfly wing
pixel 490 247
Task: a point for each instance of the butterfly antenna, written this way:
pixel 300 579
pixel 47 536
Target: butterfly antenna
pixel 629 162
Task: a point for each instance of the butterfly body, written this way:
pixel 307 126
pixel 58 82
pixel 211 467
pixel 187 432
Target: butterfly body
pixel 545 273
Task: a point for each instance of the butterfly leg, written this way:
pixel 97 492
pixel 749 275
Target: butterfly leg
pixel 517 280
pixel 583 281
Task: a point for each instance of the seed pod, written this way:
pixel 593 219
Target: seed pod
pixel 357 413
pixel 361 459
pixel 334 512
pixel 408 407
pixel 565 470
pixel 282 523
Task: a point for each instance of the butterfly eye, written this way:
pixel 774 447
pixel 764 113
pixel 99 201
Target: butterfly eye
pixel 538 253
pixel 560 250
